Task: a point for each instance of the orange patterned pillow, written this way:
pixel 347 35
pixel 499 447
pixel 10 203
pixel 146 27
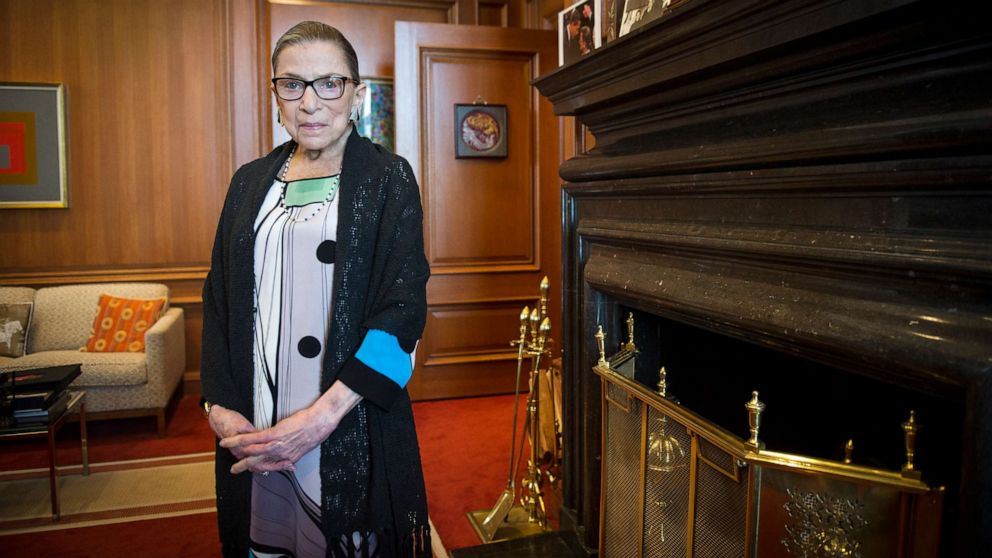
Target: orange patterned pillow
pixel 121 323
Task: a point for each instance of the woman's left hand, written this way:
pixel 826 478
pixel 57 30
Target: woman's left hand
pixel 280 446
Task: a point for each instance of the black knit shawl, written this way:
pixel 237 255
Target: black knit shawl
pixel 371 476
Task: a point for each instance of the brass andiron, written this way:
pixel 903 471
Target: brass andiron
pixel 663 382
pixel 630 346
pixel 754 408
pixel 848 451
pixel 600 344
pixel 910 428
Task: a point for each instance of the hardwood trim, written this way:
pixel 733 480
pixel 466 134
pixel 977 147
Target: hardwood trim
pixel 103 275
pixel 449 360
pixel 396 3
pixel 246 66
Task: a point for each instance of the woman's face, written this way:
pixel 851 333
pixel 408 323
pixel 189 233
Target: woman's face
pixel 315 123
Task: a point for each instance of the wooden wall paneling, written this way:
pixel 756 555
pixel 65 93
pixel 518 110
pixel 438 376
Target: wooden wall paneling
pixel 149 146
pixel 491 226
pixel 482 211
pixel 247 59
pixel 163 103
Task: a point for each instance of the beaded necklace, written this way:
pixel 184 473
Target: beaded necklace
pixel 330 184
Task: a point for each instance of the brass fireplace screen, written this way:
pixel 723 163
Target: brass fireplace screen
pixel 675 484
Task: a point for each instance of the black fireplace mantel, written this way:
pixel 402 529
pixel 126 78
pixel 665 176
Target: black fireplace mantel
pixel 810 177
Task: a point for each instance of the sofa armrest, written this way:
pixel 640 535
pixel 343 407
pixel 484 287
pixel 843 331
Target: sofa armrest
pixel 165 353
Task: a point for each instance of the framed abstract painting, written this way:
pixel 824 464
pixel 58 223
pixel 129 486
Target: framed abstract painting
pixel 33 166
pixel 378 118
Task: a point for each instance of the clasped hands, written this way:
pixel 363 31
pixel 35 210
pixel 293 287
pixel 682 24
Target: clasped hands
pixel 280 446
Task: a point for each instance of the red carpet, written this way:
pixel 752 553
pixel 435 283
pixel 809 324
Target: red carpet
pixel 188 535
pixel 464 444
pixel 465 449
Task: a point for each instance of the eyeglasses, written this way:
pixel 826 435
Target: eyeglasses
pixel 327 88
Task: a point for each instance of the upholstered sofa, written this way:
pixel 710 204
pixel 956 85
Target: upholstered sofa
pixel 118 385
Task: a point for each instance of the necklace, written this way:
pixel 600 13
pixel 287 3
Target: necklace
pixel 306 192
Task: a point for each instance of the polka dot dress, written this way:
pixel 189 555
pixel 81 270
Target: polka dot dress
pixel 294 269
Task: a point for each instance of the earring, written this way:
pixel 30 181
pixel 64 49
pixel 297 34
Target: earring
pixel 279 117
pixel 354 115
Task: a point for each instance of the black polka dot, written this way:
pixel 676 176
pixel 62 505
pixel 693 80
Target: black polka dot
pixel 309 347
pixel 325 252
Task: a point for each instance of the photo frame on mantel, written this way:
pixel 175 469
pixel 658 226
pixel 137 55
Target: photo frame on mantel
pixel 480 131
pixel 33 165
pixel 638 13
pixel 579 30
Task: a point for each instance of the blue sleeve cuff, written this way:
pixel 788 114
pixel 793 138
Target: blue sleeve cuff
pixel 379 370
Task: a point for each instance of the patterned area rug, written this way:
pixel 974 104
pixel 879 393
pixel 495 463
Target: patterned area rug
pixel 112 492
pixel 116 492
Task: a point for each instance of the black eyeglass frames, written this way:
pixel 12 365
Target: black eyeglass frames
pixel 327 88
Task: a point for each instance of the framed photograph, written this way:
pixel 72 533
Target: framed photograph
pixel 480 131
pixel 638 13
pixel 580 30
pixel 33 170
pixel 378 120
pixel 612 9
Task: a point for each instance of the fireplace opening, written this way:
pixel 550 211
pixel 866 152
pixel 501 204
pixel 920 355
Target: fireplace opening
pixel 812 408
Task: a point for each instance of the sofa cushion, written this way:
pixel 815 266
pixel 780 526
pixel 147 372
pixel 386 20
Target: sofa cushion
pixel 15 320
pixel 63 315
pixel 99 369
pixel 16 294
pixel 120 324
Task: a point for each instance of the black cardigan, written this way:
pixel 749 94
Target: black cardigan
pixel 370 466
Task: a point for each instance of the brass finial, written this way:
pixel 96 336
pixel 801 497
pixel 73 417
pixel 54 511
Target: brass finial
pixel 630 333
pixel 663 382
pixel 600 336
pixel 910 428
pixel 754 408
pixel 524 318
pixel 545 288
pixel 848 451
pixel 543 332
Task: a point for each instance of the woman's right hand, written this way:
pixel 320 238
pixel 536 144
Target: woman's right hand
pixel 226 423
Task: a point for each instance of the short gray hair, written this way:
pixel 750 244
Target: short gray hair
pixel 315 31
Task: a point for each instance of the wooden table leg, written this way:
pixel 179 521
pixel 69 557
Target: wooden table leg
pixel 56 512
pixel 83 443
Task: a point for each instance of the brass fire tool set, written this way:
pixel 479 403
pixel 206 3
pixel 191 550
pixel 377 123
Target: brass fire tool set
pixel 508 519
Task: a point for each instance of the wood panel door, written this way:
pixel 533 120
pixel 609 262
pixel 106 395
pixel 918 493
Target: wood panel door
pixel 491 226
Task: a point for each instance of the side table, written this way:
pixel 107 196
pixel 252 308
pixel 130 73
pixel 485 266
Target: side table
pixel 77 399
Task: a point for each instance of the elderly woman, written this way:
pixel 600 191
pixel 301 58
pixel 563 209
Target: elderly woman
pixel 313 305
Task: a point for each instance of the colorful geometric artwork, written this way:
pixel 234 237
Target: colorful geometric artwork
pixel 32 146
pixel 18 157
pixel 377 121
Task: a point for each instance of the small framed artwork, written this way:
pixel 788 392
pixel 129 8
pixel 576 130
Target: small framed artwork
pixel 579 30
pixel 33 169
pixel 480 131
pixel 638 13
pixel 377 120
